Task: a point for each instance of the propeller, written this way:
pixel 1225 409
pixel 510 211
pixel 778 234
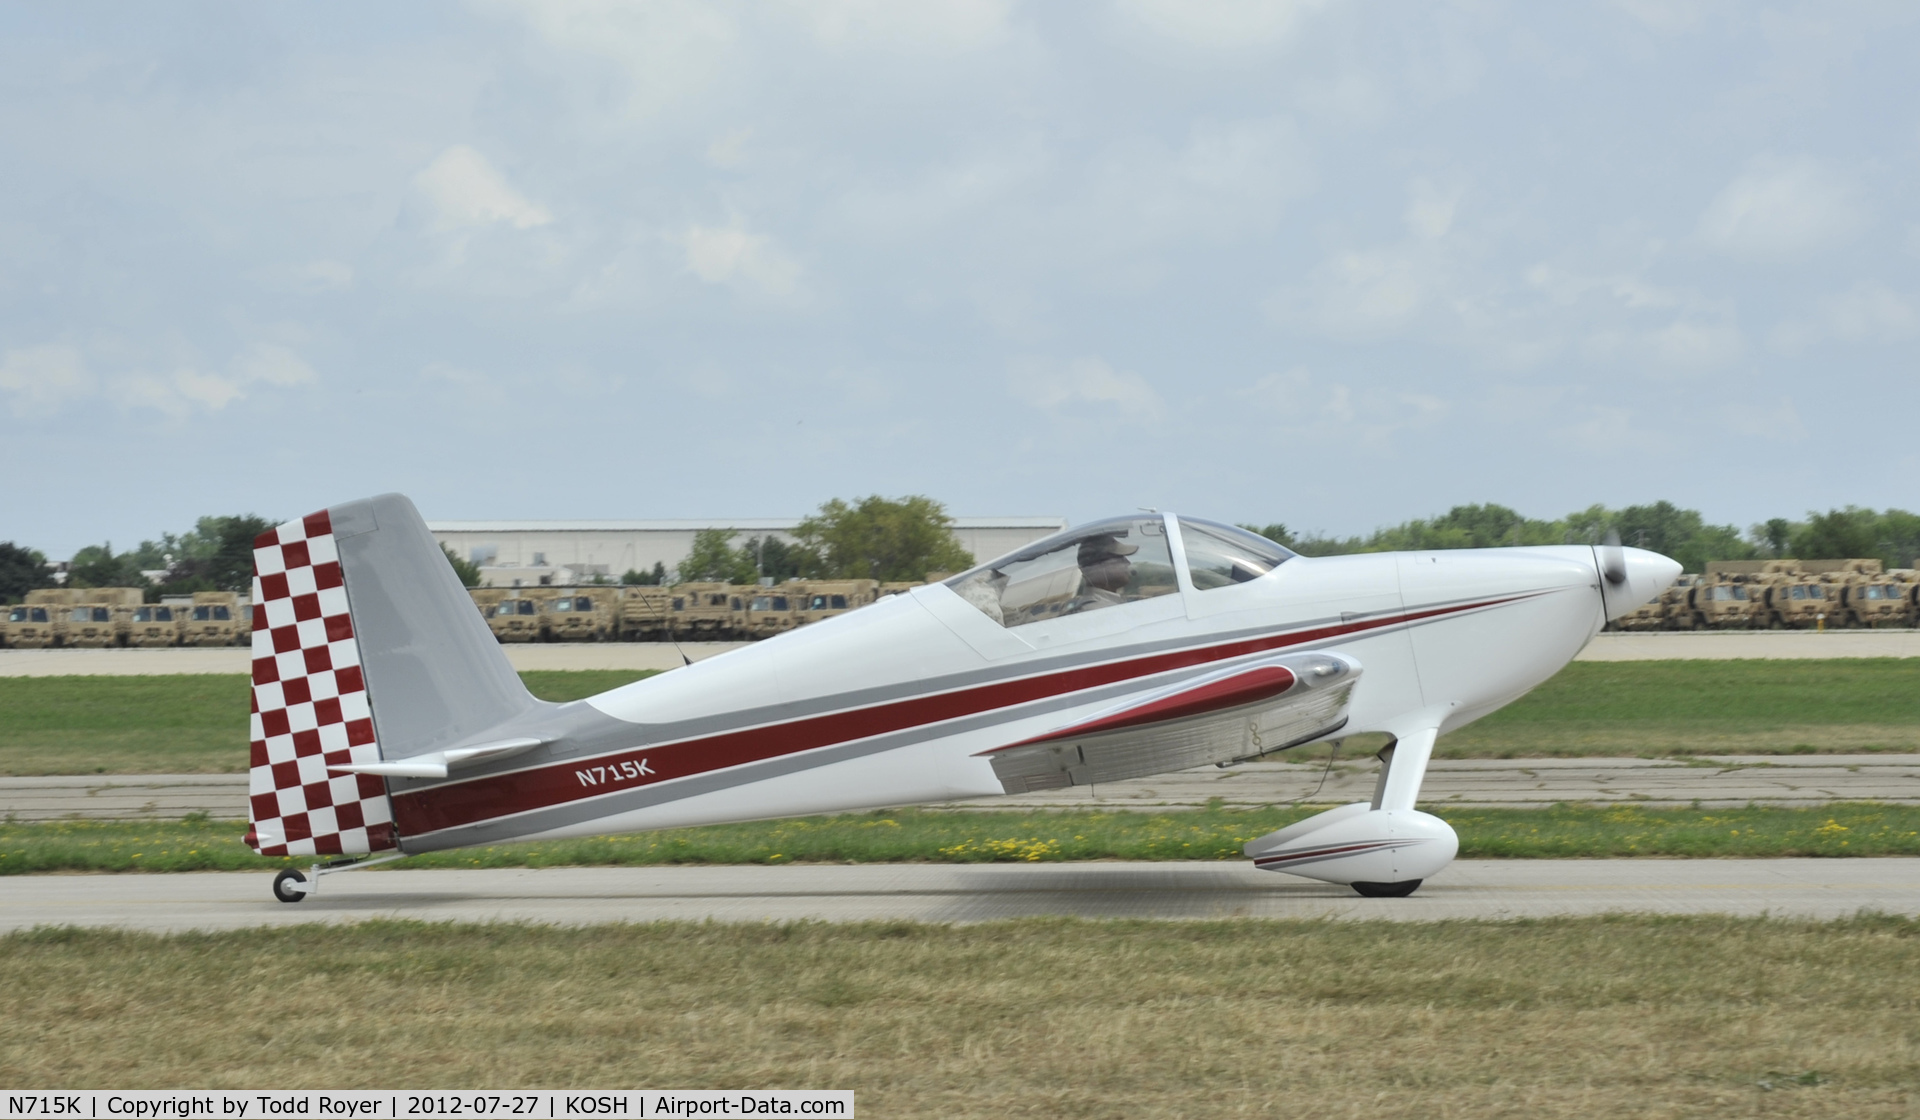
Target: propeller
pixel 1613 559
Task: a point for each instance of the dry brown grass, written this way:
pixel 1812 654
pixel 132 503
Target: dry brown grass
pixel 1600 1017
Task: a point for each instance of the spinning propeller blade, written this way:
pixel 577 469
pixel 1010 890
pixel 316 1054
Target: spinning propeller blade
pixel 1613 560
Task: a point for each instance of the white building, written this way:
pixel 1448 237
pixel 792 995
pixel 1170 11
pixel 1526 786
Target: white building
pixel 530 553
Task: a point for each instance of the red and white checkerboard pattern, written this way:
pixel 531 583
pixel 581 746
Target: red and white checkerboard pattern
pixel 310 707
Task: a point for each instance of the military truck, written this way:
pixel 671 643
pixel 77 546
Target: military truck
pixel 709 611
pixel 215 619
pixel 582 614
pixel 517 617
pixel 770 610
pixel 1811 594
pixel 645 613
pixel 100 617
pixel 1882 601
pixel 154 626
pixel 1731 595
pixel 40 621
pixel 819 599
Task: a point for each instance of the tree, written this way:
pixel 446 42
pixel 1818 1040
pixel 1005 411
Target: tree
pixel 1837 534
pixel 635 578
pixel 21 570
pixel 467 570
pixel 881 538
pixel 215 555
pixel 713 559
pixel 97 566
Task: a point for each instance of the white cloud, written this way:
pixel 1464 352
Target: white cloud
pixel 273 365
pixel 1221 25
pixel 1306 408
pixel 1865 313
pixel 42 378
pixel 1081 382
pixel 940 25
pixel 1364 292
pixel 1430 210
pixel 730 151
pixel 466 190
pixel 666 50
pixel 731 255
pixel 1688 345
pixel 1783 209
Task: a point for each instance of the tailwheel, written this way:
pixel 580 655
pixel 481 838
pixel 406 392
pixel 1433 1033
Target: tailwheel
pixel 287 886
pixel 1388 890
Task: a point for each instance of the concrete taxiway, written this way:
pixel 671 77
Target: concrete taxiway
pixel 1800 888
pixel 1789 780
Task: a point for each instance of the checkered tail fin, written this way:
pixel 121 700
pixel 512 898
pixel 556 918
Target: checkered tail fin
pixel 366 648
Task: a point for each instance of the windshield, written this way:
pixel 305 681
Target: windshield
pixel 1104 564
pixel 1222 555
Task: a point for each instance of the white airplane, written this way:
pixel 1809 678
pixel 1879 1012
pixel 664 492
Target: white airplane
pixel 387 721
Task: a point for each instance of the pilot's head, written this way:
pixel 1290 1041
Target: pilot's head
pixel 1103 560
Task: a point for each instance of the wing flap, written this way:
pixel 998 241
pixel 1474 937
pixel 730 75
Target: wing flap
pixel 1228 715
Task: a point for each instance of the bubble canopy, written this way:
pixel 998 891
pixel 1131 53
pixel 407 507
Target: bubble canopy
pixel 1112 563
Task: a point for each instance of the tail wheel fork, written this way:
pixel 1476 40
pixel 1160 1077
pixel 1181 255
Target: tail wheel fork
pixel 291 886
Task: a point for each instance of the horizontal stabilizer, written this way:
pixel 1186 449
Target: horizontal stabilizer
pixel 437 764
pixel 1223 716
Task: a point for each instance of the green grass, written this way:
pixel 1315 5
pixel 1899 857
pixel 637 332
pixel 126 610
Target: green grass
pixel 1000 837
pixel 168 725
pixel 1542 1020
pixel 198 725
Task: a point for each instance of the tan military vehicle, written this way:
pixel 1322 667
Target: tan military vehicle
pixel 1731 595
pixel 1811 594
pixel 710 611
pixel 1647 616
pixel 823 598
pixel 40 621
pixel 155 625
pixel 897 587
pixel 1885 600
pixel 582 614
pixel 519 615
pixel 486 598
pixel 216 619
pixel 645 613
pixel 770 610
pixel 100 617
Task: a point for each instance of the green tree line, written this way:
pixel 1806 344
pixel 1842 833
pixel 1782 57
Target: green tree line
pixel 873 538
pixel 1892 536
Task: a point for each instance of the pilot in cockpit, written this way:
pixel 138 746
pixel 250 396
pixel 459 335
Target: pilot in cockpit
pixel 1106 571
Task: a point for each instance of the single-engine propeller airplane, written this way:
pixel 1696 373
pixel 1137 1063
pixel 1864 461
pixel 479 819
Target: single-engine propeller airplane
pixel 387 721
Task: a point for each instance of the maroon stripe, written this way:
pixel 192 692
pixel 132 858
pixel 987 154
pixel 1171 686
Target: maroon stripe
pixel 1251 686
pixel 1342 849
pixel 478 799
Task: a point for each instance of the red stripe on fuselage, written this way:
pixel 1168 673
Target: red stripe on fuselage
pixel 1262 682
pixel 454 804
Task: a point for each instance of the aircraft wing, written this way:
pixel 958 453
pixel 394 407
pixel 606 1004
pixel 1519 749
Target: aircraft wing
pixel 1240 712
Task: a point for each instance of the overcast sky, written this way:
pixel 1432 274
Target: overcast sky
pixel 1331 265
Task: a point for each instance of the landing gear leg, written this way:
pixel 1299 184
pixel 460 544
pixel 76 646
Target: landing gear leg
pixel 291 886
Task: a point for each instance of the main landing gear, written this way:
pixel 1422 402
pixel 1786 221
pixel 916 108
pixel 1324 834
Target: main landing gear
pixel 1387 890
pixel 291 886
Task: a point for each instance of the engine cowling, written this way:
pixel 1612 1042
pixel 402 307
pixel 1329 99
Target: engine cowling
pixel 1359 844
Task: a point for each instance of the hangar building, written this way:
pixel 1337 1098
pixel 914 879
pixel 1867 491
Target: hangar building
pixel 531 553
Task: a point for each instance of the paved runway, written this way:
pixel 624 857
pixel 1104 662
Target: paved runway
pixel 1462 783
pixel 965 893
pixel 1656 646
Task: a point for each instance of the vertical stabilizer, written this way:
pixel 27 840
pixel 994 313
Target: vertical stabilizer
pixel 365 648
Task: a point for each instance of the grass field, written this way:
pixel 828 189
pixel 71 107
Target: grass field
pixel 1004 837
pixel 1567 1018
pixel 198 725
